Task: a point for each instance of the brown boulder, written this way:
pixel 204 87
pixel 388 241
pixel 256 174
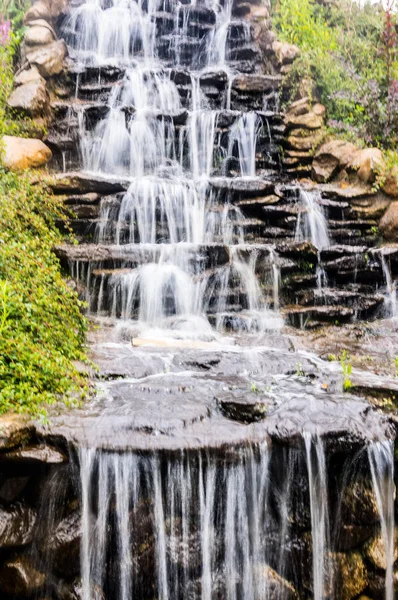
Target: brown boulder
pixel 375 551
pixel 368 163
pixel 307 120
pixel 276 586
pixel 390 186
pixel 37 35
pixel 49 10
pixel 389 223
pixel 30 98
pixel 349 574
pixel 18 577
pixel 285 53
pixel 30 75
pixel 332 157
pixel 21 153
pixel 307 142
pixel 16 526
pixel 49 59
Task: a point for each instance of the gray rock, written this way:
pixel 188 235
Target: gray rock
pixel 31 98
pixel 16 526
pixel 35 454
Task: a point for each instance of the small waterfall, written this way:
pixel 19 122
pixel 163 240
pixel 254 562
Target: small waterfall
pixel 381 459
pixel 243 136
pixel 391 288
pixel 311 221
pixel 316 465
pixel 169 512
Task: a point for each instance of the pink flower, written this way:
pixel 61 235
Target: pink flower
pixel 5 29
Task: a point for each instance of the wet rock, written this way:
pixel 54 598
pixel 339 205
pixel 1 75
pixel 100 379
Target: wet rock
pixel 22 153
pixel 389 223
pixel 35 455
pixel 19 577
pixel 375 551
pixel 377 586
pixel 74 591
pixel 352 536
pixel 49 59
pixel 16 526
pixel 15 430
pixel 32 97
pixel 359 503
pixel 244 407
pixel 65 545
pixel 12 487
pixel 349 574
pixel 79 183
pixel 274 584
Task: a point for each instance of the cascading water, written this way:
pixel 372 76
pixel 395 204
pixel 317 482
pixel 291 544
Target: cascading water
pixel 391 289
pixel 170 512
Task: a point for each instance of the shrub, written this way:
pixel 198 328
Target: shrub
pixel 350 53
pixel 42 329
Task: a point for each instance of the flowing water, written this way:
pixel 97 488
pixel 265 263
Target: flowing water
pixel 181 259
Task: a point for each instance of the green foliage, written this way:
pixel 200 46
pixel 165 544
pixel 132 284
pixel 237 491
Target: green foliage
pixel 42 329
pixel 347 370
pixel 342 52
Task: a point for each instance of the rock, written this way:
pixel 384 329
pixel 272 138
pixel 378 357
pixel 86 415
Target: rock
pixel 276 586
pixel 12 487
pixel 331 157
pixel 285 53
pixel 352 536
pixel 49 59
pixel 367 164
pixel 319 110
pixel 249 407
pixel 375 551
pixel 31 98
pixel 14 431
pixel 390 186
pixel 21 153
pixel 389 223
pixel 41 454
pixel 49 10
pixel 359 504
pixel 349 575
pixel 16 526
pixel 308 120
pixel 30 75
pixel 37 35
pixel 377 586
pixel 18 577
pixel 74 591
pixel 307 142
pixel 65 545
pixel 79 183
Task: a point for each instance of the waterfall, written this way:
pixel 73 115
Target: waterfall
pixel 381 459
pixel 311 221
pixel 316 465
pixel 391 288
pixel 244 135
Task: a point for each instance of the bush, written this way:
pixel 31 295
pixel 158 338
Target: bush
pixel 349 52
pixel 42 329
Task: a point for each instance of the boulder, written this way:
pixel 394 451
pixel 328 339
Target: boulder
pixel 367 163
pixel 65 545
pixel 375 551
pixel 285 53
pixel 21 153
pixel 37 35
pixel 390 186
pixel 389 223
pixel 49 10
pixel 49 59
pixel 31 98
pixel 349 575
pixel 14 431
pixel 276 586
pixel 39 454
pixel 308 120
pixel 359 503
pixel 30 75
pixel 19 577
pixel 16 526
pixel 307 142
pixel 332 157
